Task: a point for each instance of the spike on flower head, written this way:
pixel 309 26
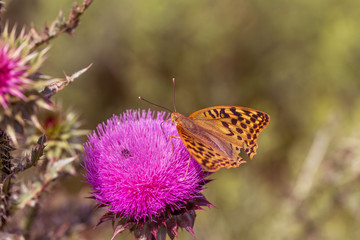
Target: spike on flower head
pixel 139 177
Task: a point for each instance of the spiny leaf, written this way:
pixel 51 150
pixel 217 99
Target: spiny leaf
pixel 60 84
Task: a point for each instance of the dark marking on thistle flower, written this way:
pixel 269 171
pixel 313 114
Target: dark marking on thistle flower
pixel 126 153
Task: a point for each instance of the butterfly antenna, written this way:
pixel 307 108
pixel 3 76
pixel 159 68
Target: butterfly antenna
pixel 174 94
pixel 154 104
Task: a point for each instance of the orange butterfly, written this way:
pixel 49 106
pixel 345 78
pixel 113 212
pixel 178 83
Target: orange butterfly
pixel 214 136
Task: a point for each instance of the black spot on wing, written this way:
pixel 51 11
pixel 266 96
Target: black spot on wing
pixel 246 112
pixel 223 114
pixel 230 133
pixel 233 110
pixel 225 124
pixel 239 130
pixel 260 114
pixel 211 114
pixel 211 154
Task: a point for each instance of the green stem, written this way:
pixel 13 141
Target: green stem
pixel 30 219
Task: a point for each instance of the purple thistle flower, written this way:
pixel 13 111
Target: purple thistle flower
pixel 13 74
pixel 139 176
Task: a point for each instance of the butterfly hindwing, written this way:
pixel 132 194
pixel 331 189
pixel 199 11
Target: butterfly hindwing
pixel 208 157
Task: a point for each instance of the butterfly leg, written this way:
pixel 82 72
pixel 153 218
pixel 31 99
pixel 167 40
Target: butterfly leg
pixel 187 168
pixel 171 138
pixel 162 129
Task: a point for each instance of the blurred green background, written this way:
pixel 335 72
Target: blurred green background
pixel 296 60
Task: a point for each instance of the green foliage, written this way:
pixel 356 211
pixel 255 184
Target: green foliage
pixel 47 138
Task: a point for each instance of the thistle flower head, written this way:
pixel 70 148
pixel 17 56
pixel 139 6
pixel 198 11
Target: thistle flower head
pixel 138 173
pixel 13 77
pixel 18 62
pixel 20 82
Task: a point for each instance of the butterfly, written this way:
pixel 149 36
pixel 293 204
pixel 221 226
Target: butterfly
pixel 214 136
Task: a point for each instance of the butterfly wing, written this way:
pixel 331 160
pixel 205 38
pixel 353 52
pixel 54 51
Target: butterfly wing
pixel 240 126
pixel 212 153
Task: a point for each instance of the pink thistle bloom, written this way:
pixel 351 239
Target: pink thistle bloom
pixel 139 176
pixel 13 74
